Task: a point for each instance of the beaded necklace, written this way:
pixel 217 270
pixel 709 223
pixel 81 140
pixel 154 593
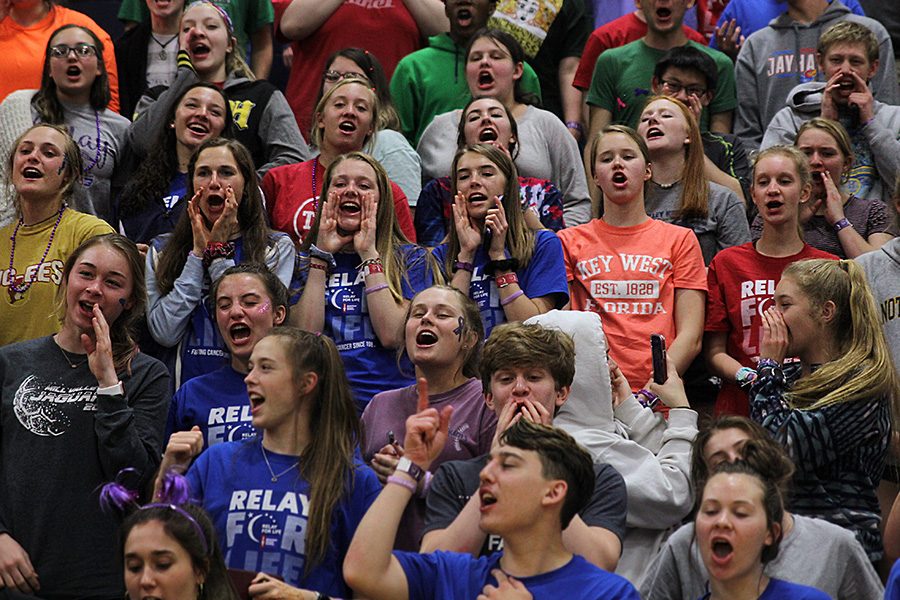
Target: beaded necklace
pixel 315 190
pixel 12 253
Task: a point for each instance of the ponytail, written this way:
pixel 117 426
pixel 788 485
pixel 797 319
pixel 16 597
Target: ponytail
pixel 863 367
pixel 327 462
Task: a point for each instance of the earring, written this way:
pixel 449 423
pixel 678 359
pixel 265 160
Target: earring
pixel 200 595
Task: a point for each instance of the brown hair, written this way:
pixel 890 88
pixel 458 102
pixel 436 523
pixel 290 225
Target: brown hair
pixel 561 458
pixel 837 132
pixel 327 462
pixel 527 345
pixel 122 330
pixel 519 237
pixel 250 215
pixel 472 327
pixel 389 238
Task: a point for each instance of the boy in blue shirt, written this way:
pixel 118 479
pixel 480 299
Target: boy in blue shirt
pixel 535 482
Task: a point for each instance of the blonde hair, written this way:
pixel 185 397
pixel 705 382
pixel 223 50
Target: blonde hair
pixel 315 134
pixel 864 368
pixel 694 201
pixel 801 163
pixel 837 132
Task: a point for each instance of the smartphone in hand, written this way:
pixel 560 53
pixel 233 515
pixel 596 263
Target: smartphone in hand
pixel 658 353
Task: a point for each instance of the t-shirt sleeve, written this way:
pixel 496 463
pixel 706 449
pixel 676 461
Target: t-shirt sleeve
pixel 446 497
pixel 546 271
pixel 877 221
pixel 577 27
pixel 259 15
pixel 429 219
pixel 607 507
pixel 404 216
pixel 602 92
pixel 690 270
pixel 716 313
pixel 592 50
pixel 441 575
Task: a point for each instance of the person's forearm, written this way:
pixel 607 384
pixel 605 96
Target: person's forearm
pixel 386 314
pixel 598 546
pixel 309 313
pixel 429 16
pixel 854 244
pixel 368 560
pixel 261 52
pixel 570 95
pixel 683 352
pixel 462 535
pixel 303 17
pixel 722 364
pixel 721 122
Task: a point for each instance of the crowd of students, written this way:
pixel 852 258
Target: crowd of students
pixel 385 333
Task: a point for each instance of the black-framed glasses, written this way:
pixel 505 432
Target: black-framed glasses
pixel 334 76
pixel 675 87
pixel 80 50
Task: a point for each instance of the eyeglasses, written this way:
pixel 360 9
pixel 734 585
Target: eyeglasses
pixel 676 87
pixel 334 76
pixel 80 50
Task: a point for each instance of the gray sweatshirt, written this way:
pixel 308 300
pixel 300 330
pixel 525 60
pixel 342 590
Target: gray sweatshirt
pixel 652 454
pixel 725 224
pixel 882 269
pixel 880 138
pixel 840 567
pixel 777 58
pixel 546 151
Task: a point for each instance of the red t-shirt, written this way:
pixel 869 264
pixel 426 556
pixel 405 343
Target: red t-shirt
pixel 628 275
pixel 741 287
pixel 623 30
pixel 383 27
pixel 291 203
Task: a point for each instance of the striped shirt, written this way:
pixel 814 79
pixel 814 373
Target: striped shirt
pixel 839 452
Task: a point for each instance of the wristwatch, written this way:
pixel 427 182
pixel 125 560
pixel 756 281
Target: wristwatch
pixel 404 465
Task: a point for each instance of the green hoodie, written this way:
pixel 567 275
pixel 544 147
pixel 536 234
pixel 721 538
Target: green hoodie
pixel 432 81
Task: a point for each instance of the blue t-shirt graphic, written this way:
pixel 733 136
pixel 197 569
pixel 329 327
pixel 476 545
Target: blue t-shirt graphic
pixel 262 524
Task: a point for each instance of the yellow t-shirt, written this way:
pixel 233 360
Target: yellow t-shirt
pixel 25 316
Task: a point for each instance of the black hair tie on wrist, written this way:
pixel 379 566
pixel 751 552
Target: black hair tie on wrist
pixel 507 264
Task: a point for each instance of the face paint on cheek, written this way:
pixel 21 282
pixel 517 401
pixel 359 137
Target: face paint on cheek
pixel 123 302
pixel 62 165
pixel 459 330
pixel 264 308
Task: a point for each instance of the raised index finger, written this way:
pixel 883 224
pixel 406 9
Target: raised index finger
pixel 422 404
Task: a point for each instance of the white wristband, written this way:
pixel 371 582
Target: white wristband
pixel 114 390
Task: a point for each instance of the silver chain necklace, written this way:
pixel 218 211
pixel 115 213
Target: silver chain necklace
pixel 271 472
